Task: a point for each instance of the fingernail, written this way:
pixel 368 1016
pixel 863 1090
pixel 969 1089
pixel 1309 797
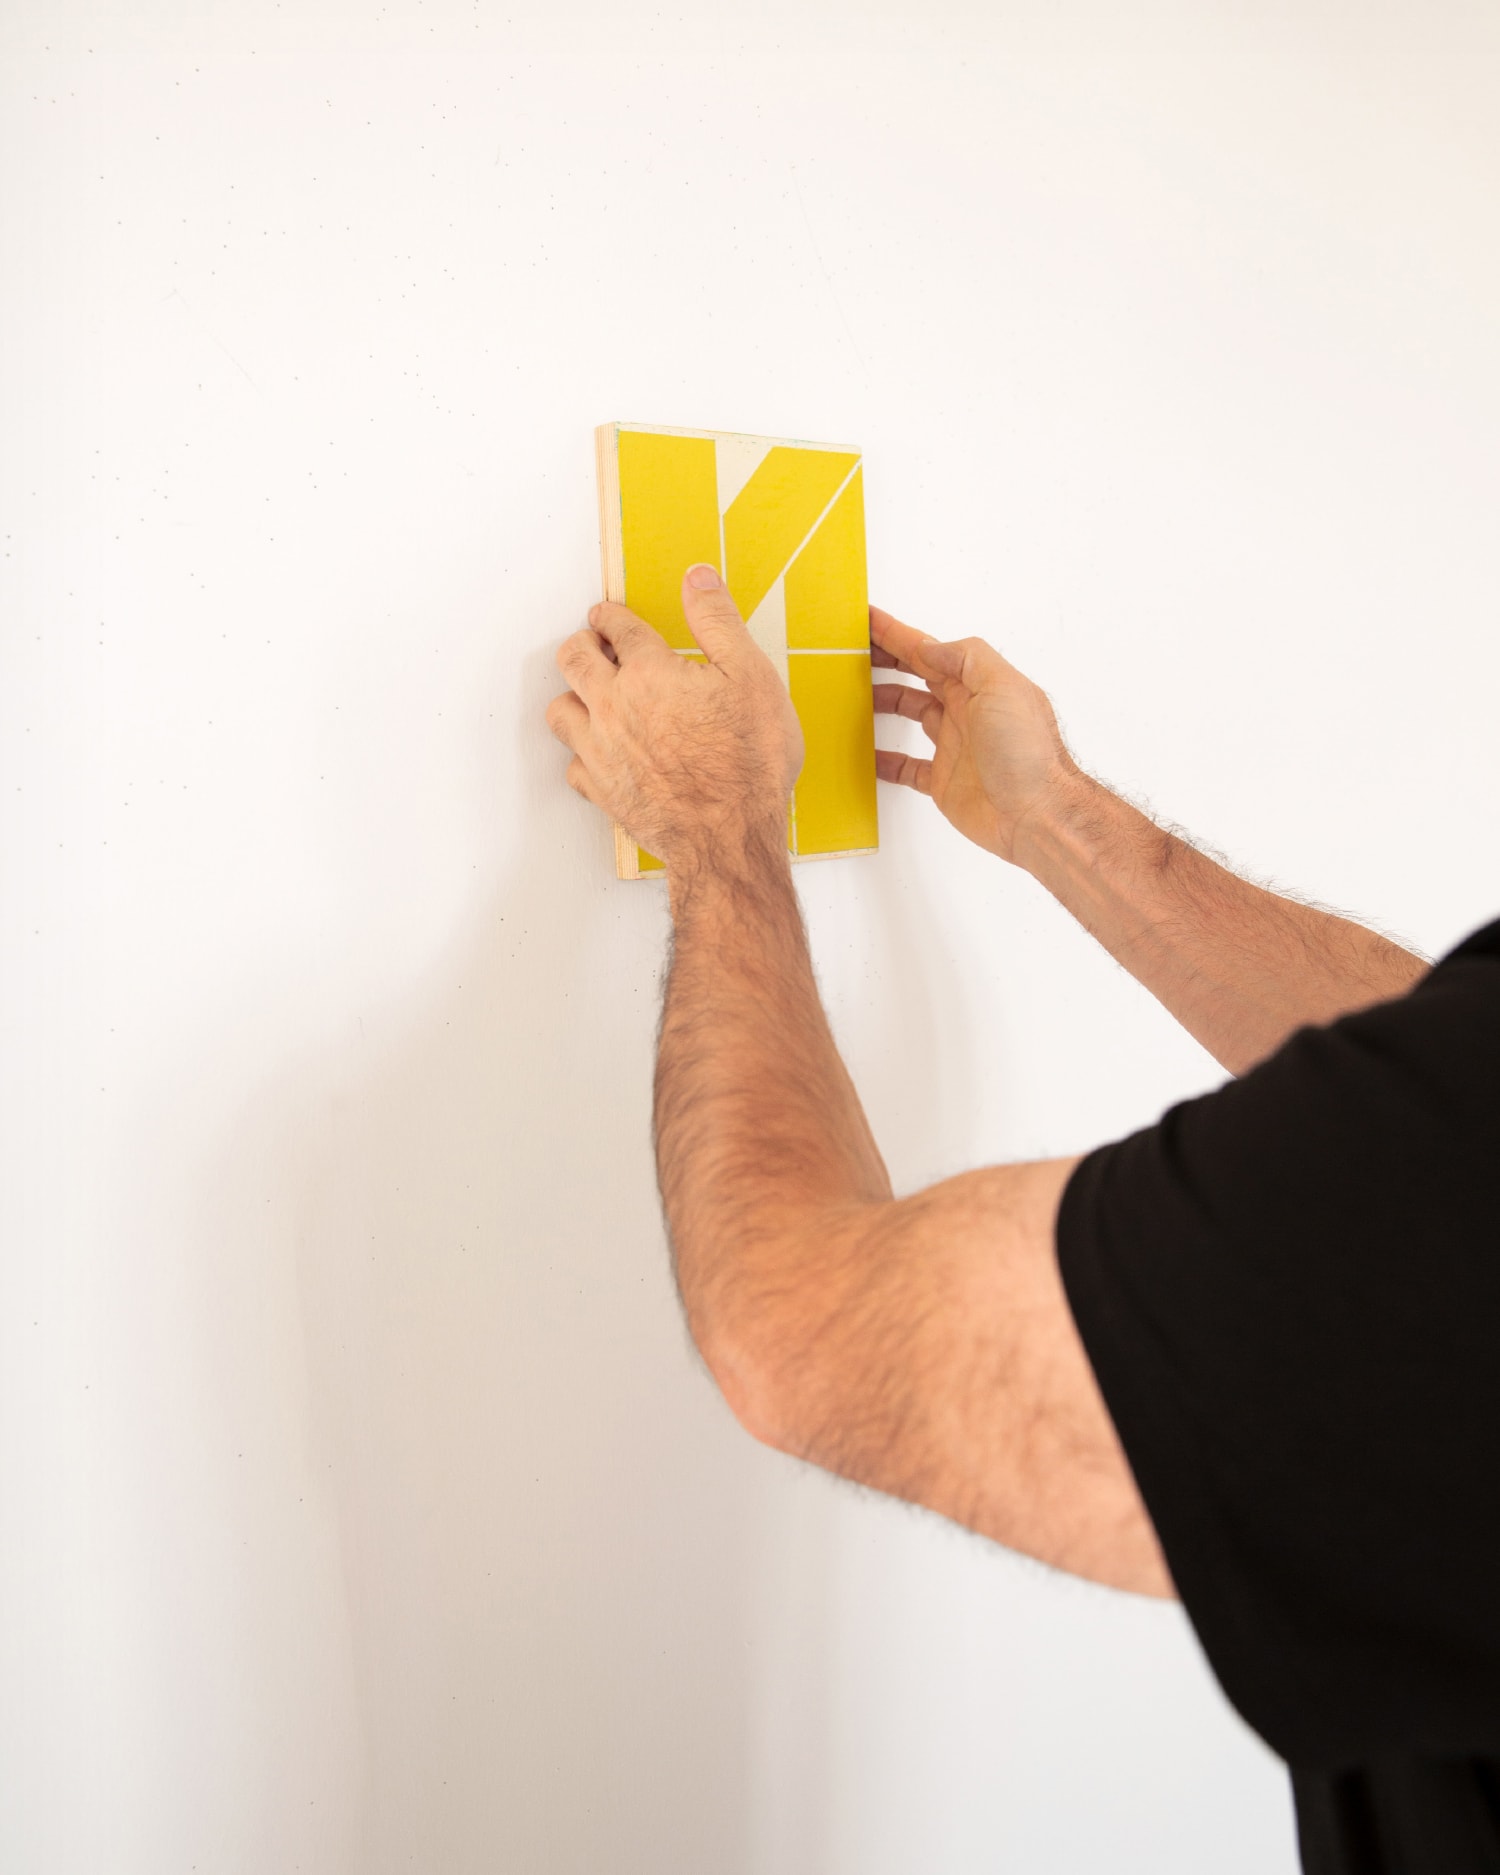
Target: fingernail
pixel 593 615
pixel 704 578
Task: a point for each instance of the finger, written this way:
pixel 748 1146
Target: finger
pixel 568 720
pixel 919 706
pixel 972 662
pixel 582 660
pixel 883 661
pixel 581 782
pixel 947 662
pixel 941 664
pixel 908 770
pixel 903 644
pixel 713 617
pixel 630 636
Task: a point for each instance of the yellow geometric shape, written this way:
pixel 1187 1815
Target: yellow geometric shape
pixel 797 519
pixel 827 604
pixel 669 518
pixel 835 793
pixel 770 517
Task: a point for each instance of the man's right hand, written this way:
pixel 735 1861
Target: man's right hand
pixel 998 757
pixel 1239 967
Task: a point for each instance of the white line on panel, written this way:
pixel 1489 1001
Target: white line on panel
pixel 822 517
pixel 736 459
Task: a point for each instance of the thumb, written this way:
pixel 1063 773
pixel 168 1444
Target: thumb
pixel 712 616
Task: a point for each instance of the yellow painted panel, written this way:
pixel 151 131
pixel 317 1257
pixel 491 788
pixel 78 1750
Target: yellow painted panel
pixel 836 790
pixel 769 518
pixel 827 600
pixel 669 518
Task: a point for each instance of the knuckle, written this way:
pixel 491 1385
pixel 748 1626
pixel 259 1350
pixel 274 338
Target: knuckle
pixel 620 620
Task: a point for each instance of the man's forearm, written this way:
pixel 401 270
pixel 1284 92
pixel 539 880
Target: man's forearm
pixel 920 1346
pixel 758 1126
pixel 1239 967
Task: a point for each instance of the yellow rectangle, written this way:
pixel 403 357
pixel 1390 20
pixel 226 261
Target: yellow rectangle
pixel 835 794
pixel 669 519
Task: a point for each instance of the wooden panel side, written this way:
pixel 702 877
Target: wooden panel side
pixel 612 576
pixel 611 539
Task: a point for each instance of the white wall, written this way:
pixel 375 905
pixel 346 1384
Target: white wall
pixel 364 1508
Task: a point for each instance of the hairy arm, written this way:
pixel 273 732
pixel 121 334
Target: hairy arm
pixel 1238 966
pixel 921 1345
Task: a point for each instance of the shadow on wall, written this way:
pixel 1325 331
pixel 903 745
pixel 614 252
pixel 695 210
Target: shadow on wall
pixel 591 1624
pixel 543 1509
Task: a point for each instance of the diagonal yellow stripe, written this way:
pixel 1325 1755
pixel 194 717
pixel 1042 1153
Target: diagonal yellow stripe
pixel 827 606
pixel 769 518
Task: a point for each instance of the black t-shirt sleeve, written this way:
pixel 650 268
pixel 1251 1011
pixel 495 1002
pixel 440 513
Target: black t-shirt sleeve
pixel 1290 1293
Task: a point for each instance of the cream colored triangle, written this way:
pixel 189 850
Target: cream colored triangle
pixel 767 626
pixel 736 458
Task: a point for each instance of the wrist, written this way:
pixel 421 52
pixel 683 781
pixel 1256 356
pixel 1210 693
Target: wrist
pixel 743 862
pixel 1063 825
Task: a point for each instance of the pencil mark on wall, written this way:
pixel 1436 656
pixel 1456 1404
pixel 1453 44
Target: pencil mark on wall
pixel 838 305
pixel 209 333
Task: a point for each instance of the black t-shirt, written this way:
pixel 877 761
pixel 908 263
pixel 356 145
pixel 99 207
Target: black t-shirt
pixel 1290 1293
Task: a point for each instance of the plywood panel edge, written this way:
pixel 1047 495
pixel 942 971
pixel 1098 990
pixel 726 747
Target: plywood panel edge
pixel 612 576
pixel 752 436
pixel 846 852
pixel 627 856
pixel 611 540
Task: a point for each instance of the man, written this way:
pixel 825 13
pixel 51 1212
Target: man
pixel 1248 1355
